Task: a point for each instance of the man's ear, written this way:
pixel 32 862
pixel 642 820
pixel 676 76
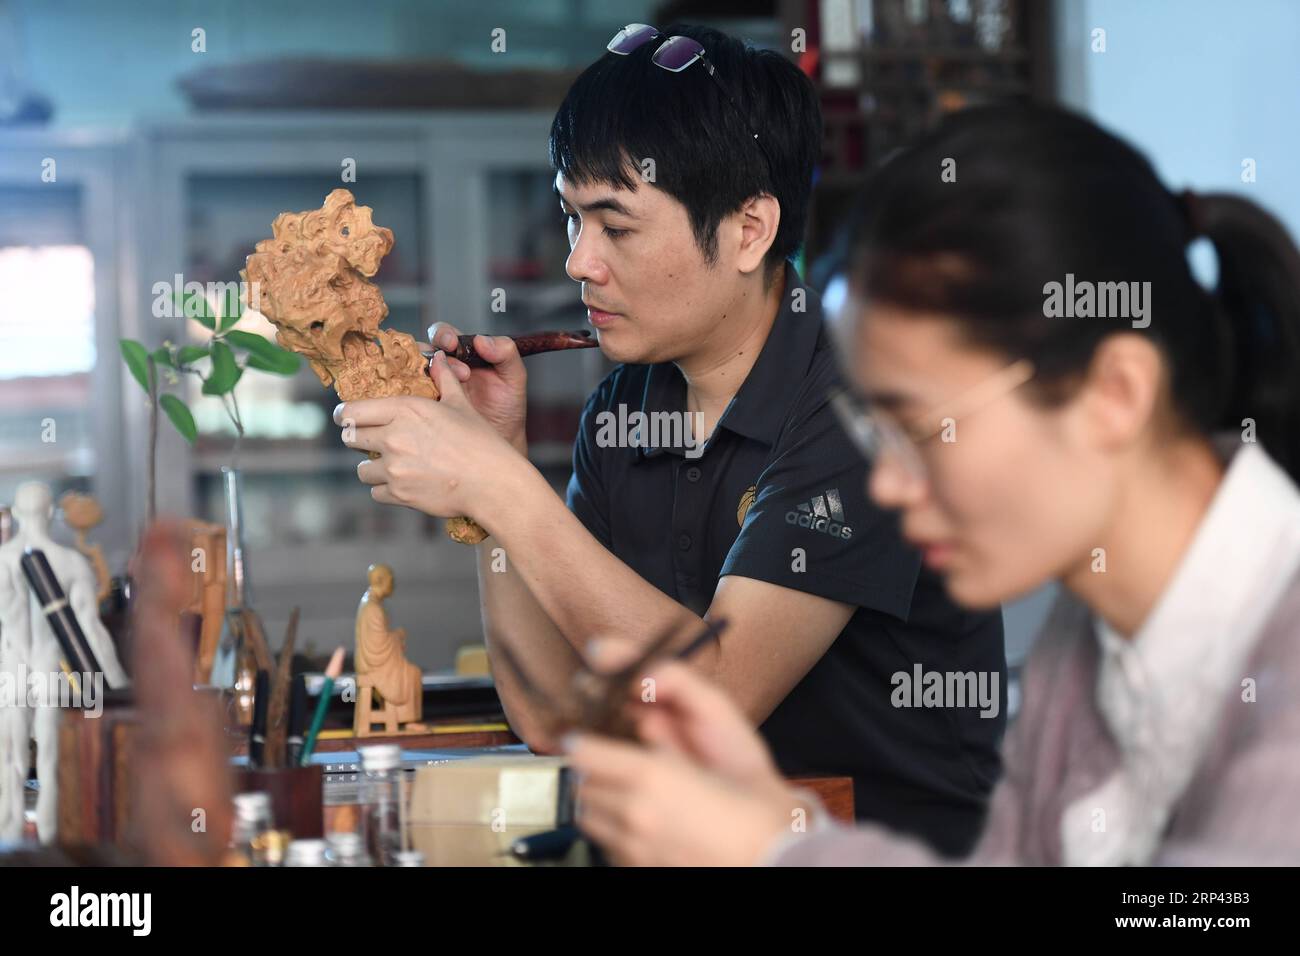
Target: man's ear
pixel 758 220
pixel 1122 391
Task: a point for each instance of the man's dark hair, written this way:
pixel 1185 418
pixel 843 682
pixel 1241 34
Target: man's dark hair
pixel 624 109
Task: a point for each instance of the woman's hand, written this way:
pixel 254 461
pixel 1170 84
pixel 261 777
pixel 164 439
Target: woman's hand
pixel 679 710
pixel 649 807
pixel 498 393
pixel 704 789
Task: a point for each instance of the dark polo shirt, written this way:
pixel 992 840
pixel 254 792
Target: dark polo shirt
pixel 778 494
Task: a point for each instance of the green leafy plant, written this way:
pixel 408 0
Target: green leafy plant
pixel 221 357
pixel 219 365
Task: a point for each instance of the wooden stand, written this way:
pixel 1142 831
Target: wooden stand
pixel 367 714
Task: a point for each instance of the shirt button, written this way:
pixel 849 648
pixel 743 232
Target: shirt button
pixel 693 473
pixel 684 542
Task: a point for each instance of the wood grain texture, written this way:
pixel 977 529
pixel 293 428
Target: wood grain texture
pixel 277 718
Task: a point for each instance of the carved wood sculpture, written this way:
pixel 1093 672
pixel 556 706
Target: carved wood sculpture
pixel 312 281
pixel 81 513
pixel 207 593
pixel 383 673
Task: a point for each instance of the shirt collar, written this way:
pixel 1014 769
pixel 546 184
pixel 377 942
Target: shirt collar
pixel 1243 554
pixel 758 409
pixel 1158 693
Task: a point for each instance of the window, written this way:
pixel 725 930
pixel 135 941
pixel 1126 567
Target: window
pixel 47 352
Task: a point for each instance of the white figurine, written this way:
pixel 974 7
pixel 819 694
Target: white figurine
pixel 29 652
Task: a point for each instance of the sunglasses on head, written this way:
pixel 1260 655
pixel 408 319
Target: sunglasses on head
pixel 675 54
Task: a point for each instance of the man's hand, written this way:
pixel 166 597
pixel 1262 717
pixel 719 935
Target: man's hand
pixel 498 393
pixel 442 458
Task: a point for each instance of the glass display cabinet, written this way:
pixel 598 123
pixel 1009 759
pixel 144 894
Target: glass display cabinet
pixel 479 242
pixel 60 227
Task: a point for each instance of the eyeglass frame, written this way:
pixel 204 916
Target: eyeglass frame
pixel 873 432
pixel 709 69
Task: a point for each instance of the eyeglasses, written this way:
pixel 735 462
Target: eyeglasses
pixel 675 55
pixel 876 433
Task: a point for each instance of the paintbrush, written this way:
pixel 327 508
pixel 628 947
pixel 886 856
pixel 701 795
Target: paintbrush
pixel 297 721
pixel 601 696
pixel 257 729
pixel 530 343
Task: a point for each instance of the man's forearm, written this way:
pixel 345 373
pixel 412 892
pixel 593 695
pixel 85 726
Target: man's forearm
pixel 582 588
pixel 511 615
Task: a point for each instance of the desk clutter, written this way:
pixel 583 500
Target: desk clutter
pixel 383 806
pixel 266 754
pixel 285 765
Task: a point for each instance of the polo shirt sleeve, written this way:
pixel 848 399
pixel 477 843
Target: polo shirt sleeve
pixel 812 526
pixel 587 496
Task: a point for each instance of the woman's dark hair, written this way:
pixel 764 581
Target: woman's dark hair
pixel 624 109
pixel 979 216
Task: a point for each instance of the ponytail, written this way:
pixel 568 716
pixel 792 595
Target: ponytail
pixel 1045 193
pixel 1258 296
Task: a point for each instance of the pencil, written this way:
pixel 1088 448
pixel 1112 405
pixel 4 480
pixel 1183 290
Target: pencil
pixel 322 704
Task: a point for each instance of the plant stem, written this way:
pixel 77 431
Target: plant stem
pixel 151 488
pixel 239 429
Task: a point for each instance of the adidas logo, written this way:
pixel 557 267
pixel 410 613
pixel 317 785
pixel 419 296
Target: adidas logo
pixel 824 513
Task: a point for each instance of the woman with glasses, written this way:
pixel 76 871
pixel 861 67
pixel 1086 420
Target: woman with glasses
pixel 1047 392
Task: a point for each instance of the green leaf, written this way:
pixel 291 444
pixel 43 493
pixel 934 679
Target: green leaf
pixel 162 356
pixel 137 360
pixel 194 306
pixel 189 354
pixel 231 309
pixel 180 416
pixel 264 354
pixel 259 363
pixel 225 372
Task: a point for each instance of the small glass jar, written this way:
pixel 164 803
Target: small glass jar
pixel 277 844
pixel 345 848
pixel 306 853
pixel 381 797
pixel 252 826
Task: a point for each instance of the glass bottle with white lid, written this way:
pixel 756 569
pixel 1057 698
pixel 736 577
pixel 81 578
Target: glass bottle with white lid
pixel 252 825
pixel 381 797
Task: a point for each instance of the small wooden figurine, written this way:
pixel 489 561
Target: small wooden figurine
pixel 390 688
pixel 207 593
pixel 81 513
